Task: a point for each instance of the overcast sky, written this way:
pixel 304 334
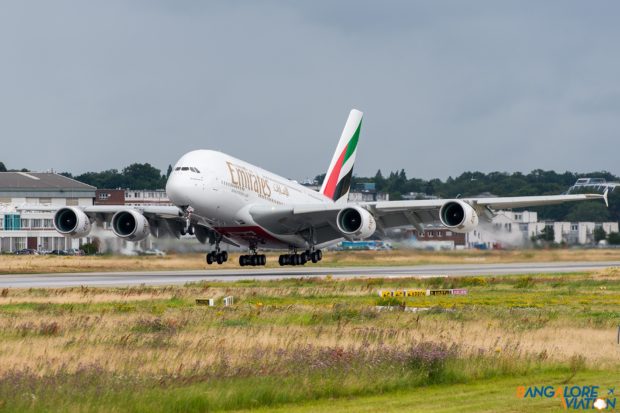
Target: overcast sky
pixel 445 87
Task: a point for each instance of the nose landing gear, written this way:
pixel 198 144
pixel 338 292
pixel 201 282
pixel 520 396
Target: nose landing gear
pixel 217 256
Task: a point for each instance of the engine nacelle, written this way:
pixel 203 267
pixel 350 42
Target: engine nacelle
pixel 356 223
pixel 130 225
pixel 459 216
pixel 72 222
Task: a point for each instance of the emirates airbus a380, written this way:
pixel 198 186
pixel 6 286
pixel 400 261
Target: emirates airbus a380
pixel 219 198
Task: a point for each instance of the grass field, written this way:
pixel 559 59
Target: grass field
pixel 308 345
pixel 55 264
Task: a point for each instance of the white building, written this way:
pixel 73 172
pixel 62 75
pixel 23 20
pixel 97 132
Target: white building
pixel 514 229
pixel 27 205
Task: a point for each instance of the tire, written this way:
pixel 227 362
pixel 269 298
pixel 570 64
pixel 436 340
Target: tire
pixel 190 230
pixel 319 255
pixel 209 258
pixel 182 231
pixel 303 259
pixel 224 255
pixel 314 257
pixel 281 260
pixel 263 259
pixel 219 258
pixel 242 260
pixel 254 260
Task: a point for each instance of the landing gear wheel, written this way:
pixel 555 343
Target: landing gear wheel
pixel 303 259
pixel 190 230
pixel 209 258
pixel 242 260
pixel 219 258
pixel 224 255
pixel 319 255
pixel 263 259
pixel 314 257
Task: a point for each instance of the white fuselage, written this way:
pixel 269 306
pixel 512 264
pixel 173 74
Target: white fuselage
pixel 220 189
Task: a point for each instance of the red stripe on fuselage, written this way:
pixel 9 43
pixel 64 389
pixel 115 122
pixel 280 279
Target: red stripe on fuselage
pixel 330 188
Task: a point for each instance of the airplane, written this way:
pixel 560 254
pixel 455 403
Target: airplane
pixel 221 199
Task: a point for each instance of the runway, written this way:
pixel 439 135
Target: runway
pixel 106 279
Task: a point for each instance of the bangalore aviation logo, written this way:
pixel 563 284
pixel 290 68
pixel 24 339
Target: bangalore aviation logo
pixel 573 397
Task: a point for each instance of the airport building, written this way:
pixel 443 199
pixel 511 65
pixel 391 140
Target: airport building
pixel 28 201
pixel 132 197
pixel 515 229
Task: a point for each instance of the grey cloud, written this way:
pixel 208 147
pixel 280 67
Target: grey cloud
pixel 445 86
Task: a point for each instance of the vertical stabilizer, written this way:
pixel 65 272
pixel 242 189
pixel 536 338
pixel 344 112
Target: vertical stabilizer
pixel 337 181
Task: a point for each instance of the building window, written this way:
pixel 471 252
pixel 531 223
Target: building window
pixel 104 195
pixel 47 223
pixel 12 222
pixel 19 243
pixel 35 223
pixel 574 227
pixel 449 233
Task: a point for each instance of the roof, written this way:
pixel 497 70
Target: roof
pixel 24 181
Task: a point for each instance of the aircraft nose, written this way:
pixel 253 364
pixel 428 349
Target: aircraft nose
pixel 178 190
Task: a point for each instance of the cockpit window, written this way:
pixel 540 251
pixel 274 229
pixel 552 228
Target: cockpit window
pixel 191 168
pixel 178 168
pixel 185 168
pixel 196 169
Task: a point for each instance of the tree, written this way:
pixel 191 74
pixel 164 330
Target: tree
pixel 2 167
pixel 319 179
pixel 143 176
pixel 547 234
pixel 588 211
pixel 599 234
pixel 379 181
pixel 614 238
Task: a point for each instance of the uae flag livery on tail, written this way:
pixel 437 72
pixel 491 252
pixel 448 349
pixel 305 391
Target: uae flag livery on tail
pixel 338 178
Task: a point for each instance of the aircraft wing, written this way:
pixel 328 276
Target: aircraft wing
pixel 389 214
pixel 163 220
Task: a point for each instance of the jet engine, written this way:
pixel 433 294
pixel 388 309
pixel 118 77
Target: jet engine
pixel 130 225
pixel 459 216
pixel 356 223
pixel 72 222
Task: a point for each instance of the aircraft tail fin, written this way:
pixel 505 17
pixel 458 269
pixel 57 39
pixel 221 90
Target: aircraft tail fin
pixel 337 181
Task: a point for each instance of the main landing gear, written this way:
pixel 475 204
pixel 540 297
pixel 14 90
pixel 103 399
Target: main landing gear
pixel 301 259
pixel 253 260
